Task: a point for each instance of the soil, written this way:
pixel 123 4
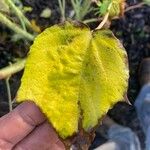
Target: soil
pixel 133 30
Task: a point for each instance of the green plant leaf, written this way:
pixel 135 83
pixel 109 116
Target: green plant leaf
pixel 75 76
pixel 104 6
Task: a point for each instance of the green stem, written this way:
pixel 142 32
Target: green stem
pixel 76 6
pixel 15 27
pixel 62 8
pixel 12 69
pixel 81 8
pixel 91 20
pixel 19 14
pixel 9 94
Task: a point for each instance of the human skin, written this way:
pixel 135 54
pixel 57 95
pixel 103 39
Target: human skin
pixel 26 128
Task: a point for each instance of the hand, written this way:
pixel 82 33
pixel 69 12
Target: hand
pixel 26 128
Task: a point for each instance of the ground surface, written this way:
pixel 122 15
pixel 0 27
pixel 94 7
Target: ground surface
pixel 134 32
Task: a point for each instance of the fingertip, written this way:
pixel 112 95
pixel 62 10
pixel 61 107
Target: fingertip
pixel 43 137
pixel 31 113
pixel 19 123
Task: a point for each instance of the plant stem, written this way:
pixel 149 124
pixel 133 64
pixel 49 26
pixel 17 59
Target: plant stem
pixel 9 94
pixel 134 6
pixel 105 18
pixel 14 68
pixel 86 8
pixel 91 20
pixel 103 22
pixel 62 8
pixel 81 8
pixel 76 6
pixel 19 14
pixel 15 27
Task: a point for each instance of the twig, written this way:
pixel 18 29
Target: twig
pixel 15 27
pixel 62 8
pixel 14 68
pixel 103 22
pixel 105 18
pixel 19 14
pixel 9 94
pixel 91 20
pixel 134 6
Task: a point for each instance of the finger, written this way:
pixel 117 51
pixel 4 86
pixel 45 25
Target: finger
pixel 18 124
pixel 42 138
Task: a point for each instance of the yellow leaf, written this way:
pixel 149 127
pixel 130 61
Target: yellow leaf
pixel 35 27
pixel 115 7
pixel 73 75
